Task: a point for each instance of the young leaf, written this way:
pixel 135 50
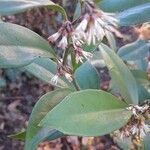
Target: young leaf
pixel 19 136
pixel 8 7
pixel 120 5
pixel 134 51
pixel 121 75
pixel 87 76
pixel 36 134
pixel 45 69
pixel 21 46
pixel 134 16
pixel 88 113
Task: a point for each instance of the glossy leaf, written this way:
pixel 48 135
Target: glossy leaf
pixel 87 77
pixel 120 5
pixel 134 16
pixel 45 69
pixel 20 46
pixel 35 134
pixel 134 51
pixel 88 113
pixel 8 7
pixel 121 76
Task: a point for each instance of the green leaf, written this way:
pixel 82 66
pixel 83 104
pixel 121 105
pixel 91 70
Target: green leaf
pixel 134 16
pixel 89 48
pixel 8 7
pixel 146 142
pixel 124 143
pixel 45 134
pixel 121 76
pixel 142 82
pixel 2 82
pixel 20 46
pixel 19 136
pixel 45 69
pixel 88 113
pixel 120 5
pixel 77 12
pixel 87 77
pixel 134 51
pixel 140 76
pixel 36 134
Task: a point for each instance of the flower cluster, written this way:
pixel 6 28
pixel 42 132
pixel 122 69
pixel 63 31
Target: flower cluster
pixel 93 27
pixel 62 38
pixel 136 127
pixel 95 23
pixel 65 34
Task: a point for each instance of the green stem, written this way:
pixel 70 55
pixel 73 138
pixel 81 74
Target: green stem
pixel 65 56
pixel 75 84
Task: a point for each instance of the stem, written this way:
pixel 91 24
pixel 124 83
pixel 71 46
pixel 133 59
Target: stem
pixel 75 84
pixel 65 56
pixel 80 142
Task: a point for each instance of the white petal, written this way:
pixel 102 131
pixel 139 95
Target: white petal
pixel 54 80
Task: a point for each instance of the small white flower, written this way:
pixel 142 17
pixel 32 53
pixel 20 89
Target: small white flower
pixel 68 77
pixel 140 130
pixel 144 129
pixel 80 54
pixel 76 40
pixel 54 37
pixel 87 55
pixel 83 25
pixel 95 22
pixel 63 43
pixel 134 130
pixel 54 80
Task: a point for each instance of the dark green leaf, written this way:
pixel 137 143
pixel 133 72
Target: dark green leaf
pixel 87 76
pixel 121 76
pixel 8 7
pixel 134 16
pixel 120 5
pixel 134 51
pixel 88 113
pixel 47 102
pixel 20 46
